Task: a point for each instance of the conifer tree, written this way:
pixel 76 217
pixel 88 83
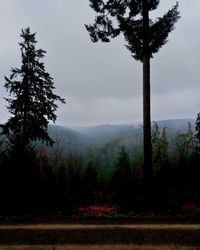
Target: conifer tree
pixel 198 127
pixel 123 165
pixel 32 101
pixel 122 179
pixel 143 36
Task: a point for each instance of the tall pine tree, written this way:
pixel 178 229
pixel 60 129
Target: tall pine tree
pixel 198 127
pixel 32 101
pixel 143 36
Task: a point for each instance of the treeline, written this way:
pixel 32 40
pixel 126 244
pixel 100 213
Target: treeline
pixel 42 184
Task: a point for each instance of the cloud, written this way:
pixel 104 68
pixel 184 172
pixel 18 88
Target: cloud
pixel 99 111
pixel 102 83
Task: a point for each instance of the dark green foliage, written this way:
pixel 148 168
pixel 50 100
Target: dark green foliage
pixel 159 147
pixel 198 127
pixel 186 144
pixel 60 186
pixel 75 182
pixel 90 184
pixel 128 14
pixel 122 181
pixel 176 181
pixel 32 103
pixel 123 167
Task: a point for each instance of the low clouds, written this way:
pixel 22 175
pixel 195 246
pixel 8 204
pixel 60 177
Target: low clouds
pixel 102 83
pixel 101 111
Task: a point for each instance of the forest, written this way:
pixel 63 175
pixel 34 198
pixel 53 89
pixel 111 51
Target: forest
pixel 150 169
pixel 79 175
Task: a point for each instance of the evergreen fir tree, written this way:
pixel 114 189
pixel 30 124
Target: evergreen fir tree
pixel 122 180
pixel 144 37
pixel 32 103
pixel 198 127
pixel 123 166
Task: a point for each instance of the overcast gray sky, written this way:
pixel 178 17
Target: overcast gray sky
pixel 102 83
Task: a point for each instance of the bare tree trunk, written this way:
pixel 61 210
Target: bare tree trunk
pixel 146 97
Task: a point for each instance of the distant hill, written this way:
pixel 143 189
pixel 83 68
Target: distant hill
pixel 103 133
pixel 68 140
pixel 109 151
pixel 107 139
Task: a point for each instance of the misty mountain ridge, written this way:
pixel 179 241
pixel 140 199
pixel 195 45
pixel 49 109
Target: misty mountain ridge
pixel 106 132
pixel 81 139
pixel 68 140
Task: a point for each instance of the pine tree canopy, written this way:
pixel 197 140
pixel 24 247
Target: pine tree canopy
pixel 125 16
pixel 123 162
pixel 32 101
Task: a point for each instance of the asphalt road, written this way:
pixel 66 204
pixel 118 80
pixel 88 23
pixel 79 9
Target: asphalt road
pixel 91 236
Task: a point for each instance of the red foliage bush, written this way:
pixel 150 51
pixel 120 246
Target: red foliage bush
pixel 190 207
pixel 97 210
